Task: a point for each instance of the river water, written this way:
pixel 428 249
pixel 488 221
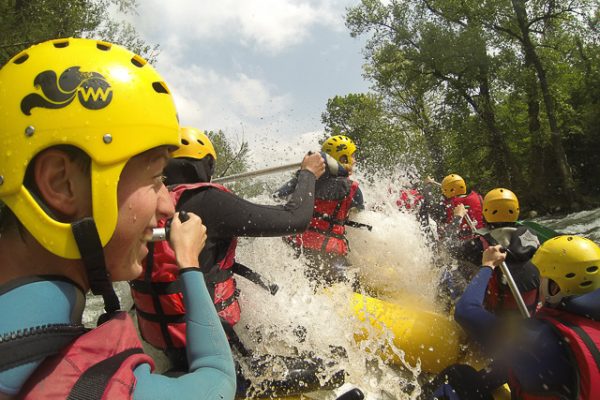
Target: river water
pixel 394 258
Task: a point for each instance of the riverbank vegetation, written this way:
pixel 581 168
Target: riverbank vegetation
pixel 504 93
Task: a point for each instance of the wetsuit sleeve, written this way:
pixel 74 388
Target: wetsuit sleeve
pixel 470 313
pixel 287 188
pixel 226 215
pixel 212 372
pixel 358 200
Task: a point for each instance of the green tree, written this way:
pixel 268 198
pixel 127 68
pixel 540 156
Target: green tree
pixel 26 22
pixel 363 118
pixel 231 157
pixel 490 89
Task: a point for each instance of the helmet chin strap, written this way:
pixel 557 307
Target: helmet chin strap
pixel 92 254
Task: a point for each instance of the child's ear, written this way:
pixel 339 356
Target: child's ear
pixel 61 183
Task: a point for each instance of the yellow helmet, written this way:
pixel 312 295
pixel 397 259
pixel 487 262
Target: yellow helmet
pixel 93 95
pixel 194 144
pixel 453 185
pixel 500 205
pixel 339 146
pixel 572 262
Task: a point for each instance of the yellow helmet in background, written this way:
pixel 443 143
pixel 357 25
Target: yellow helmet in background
pixel 339 146
pixel 194 144
pixel 453 185
pixel 500 205
pixel 573 262
pixel 90 94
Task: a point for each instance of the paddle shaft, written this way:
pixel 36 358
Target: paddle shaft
pixel 251 174
pixel 509 278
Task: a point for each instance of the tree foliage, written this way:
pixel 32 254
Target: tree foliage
pixel 26 22
pixel 501 92
pixel 231 156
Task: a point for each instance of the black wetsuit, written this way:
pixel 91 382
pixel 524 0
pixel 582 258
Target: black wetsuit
pixel 226 215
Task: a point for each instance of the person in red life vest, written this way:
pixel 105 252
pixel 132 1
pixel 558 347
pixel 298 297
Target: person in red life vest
pixel 501 211
pixel 87 131
pixel 157 293
pixel 324 244
pixel 555 354
pixel 458 204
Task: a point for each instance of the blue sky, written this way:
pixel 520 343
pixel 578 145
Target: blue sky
pixel 262 70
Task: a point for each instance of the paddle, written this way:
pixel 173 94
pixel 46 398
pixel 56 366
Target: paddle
pixel 543 233
pixel 509 278
pixel 259 172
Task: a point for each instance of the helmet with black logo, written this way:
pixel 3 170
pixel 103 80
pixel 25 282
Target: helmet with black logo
pixel 453 185
pixel 342 149
pixel 90 94
pixel 194 144
pixel 572 262
pixel 500 205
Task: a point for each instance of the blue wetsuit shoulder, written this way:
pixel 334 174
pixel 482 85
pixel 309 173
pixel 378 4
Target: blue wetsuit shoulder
pixel 34 304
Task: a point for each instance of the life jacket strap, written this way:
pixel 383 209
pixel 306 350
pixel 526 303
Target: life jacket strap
pixel 160 288
pixel 93 382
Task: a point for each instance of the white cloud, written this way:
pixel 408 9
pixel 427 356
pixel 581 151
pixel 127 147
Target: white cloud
pixel 268 25
pixel 203 94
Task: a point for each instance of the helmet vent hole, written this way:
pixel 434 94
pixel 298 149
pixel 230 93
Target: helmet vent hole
pixel 494 212
pixel 585 284
pixel 200 141
pixel 184 142
pixel 592 270
pixel 21 59
pixel 103 46
pixel 510 212
pixel 160 87
pixel 570 275
pixel 61 44
pixel 138 61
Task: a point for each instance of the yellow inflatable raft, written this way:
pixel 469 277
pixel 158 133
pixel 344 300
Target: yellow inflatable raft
pixel 420 335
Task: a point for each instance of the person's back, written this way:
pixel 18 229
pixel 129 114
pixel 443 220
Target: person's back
pixel 501 212
pixel 324 243
pixel 552 355
pixel 82 189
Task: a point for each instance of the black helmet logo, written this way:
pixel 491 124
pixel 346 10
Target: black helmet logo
pixel 91 89
pixel 340 147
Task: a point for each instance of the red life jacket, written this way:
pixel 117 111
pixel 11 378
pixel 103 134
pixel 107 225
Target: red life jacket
pixel 409 199
pixel 474 202
pixel 498 296
pixel 157 294
pixel 326 231
pixel 97 365
pixel 582 336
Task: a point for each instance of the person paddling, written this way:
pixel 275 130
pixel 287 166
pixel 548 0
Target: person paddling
pixel 501 212
pixel 324 243
pixel 553 355
pixel 157 292
pixel 86 133
pixel 458 203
